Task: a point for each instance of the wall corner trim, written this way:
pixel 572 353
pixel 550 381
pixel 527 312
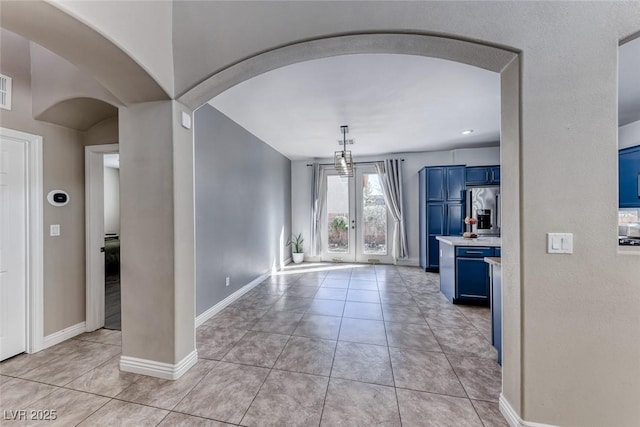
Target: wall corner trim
pixel 162 370
pixel 230 299
pixel 63 335
pixel 512 417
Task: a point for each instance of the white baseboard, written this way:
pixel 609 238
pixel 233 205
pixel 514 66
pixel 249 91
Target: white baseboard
pixel 63 335
pixel 230 299
pixel 162 370
pixel 287 261
pixel 513 418
pixel 409 262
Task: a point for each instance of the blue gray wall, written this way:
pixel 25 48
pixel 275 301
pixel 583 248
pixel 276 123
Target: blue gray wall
pixel 243 206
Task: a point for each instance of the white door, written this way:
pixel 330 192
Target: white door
pixel 373 223
pixel 355 222
pixel 13 248
pixel 338 219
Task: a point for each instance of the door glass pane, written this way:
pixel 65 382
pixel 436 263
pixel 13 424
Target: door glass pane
pixel 374 218
pixel 337 214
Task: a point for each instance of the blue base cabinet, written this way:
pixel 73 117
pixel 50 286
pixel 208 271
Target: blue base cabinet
pixel 629 177
pixel 442 209
pixel 464 275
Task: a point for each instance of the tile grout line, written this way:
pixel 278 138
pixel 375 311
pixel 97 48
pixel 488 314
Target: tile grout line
pixel 324 402
pixel 265 378
pixel 464 388
pixel 410 291
pixel 195 385
pixel 91 414
pixel 393 375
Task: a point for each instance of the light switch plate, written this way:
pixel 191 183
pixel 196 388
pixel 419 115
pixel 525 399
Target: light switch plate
pixel 560 243
pixel 54 230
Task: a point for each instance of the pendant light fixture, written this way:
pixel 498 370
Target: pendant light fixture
pixel 342 159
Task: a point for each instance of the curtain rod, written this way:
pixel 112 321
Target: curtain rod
pixel 355 163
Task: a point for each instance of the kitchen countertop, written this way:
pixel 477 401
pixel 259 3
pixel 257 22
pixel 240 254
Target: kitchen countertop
pixel 493 260
pixel 479 241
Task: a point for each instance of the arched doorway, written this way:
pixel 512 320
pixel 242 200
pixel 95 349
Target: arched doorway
pixel 503 61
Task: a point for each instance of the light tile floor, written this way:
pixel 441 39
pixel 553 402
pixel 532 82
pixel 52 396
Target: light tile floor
pixel 330 345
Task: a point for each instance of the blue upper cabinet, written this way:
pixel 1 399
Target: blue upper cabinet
pixel 483 175
pixel 477 175
pixel 455 183
pixel 495 174
pixel 436 187
pixel 629 177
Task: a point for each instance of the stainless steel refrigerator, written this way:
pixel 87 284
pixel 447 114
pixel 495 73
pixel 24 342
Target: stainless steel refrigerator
pixel 483 204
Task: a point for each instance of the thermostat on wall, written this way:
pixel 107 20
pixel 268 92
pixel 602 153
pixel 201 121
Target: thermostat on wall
pixel 58 197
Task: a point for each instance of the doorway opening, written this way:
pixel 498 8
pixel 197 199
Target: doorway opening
pixel 355 223
pixel 112 310
pixel 102 198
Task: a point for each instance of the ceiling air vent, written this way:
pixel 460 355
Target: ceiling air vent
pixel 5 92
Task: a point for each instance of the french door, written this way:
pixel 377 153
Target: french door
pixel 355 221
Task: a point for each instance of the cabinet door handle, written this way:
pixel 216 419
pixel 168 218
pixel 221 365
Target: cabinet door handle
pixel 638 185
pixel 474 252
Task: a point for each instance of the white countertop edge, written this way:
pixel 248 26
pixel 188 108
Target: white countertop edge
pixel 493 261
pixel 480 241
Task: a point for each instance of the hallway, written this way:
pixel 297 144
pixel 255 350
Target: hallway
pixel 314 344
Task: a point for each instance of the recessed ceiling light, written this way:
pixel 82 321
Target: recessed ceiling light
pixel 467 132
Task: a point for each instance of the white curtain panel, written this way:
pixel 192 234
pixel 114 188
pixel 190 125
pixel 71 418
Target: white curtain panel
pixel 317 200
pixel 390 172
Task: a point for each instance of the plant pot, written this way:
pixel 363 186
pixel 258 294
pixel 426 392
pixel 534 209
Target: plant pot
pixel 297 257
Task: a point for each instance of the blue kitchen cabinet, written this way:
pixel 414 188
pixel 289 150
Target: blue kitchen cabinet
pixel 436 226
pixel 436 184
pixel 472 277
pixel 629 177
pixel 464 274
pixel 483 175
pixel 477 175
pixel 443 219
pixel 454 217
pixel 442 209
pixel 455 185
pixel 495 175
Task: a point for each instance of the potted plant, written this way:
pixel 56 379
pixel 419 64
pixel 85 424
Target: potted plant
pixel 296 248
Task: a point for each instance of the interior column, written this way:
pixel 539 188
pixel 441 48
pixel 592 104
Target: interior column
pixel 157 240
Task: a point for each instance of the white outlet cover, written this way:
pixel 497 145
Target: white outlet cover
pixel 54 230
pixel 186 120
